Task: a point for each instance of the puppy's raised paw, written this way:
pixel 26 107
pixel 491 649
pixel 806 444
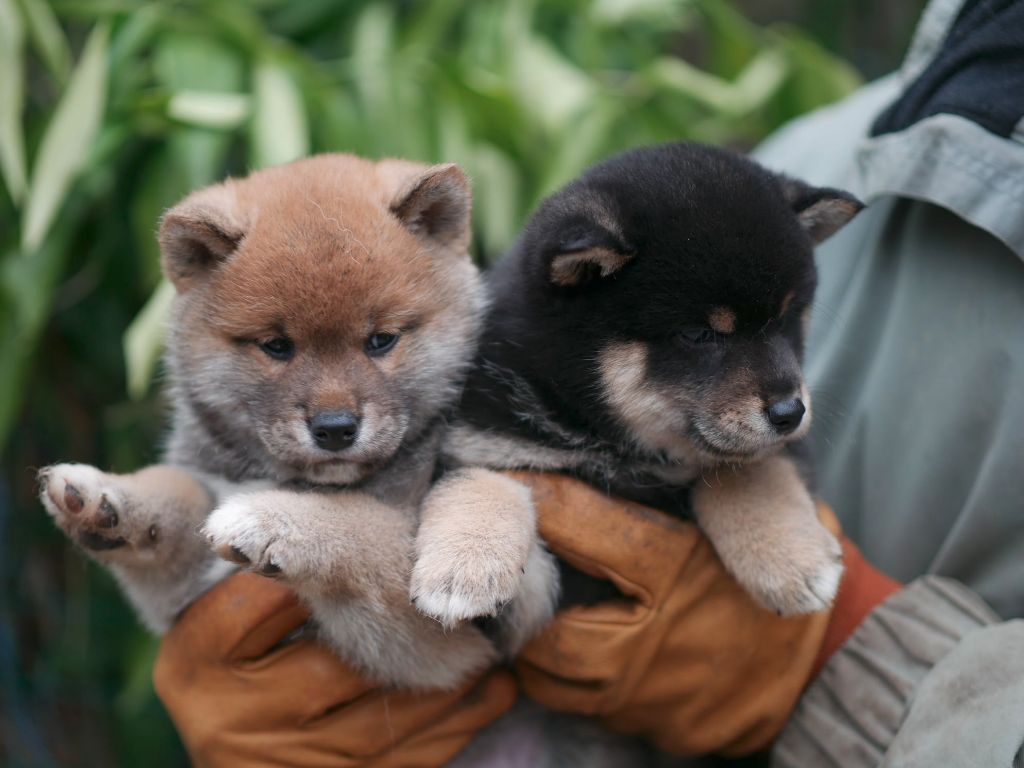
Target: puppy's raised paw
pixel 800 576
pixel 455 584
pixel 256 531
pixel 475 536
pixel 97 511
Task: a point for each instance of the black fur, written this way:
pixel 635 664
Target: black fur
pixel 700 228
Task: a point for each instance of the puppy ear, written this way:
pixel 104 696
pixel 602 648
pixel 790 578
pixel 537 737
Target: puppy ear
pixel 821 211
pixel 198 234
pixel 588 256
pixel 436 206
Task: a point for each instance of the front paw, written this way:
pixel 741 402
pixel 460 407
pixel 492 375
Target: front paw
pixel 799 575
pixel 453 583
pixel 255 531
pixel 89 507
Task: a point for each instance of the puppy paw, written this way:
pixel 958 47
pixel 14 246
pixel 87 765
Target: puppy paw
pixel 800 576
pixel 476 532
pixel 452 584
pixel 94 509
pixel 256 532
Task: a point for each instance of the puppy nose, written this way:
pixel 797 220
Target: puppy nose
pixel 334 430
pixel 786 415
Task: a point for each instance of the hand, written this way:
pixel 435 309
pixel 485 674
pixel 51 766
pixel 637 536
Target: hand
pixel 240 698
pixel 689 660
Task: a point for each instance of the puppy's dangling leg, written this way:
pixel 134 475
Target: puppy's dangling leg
pixel 144 527
pixel 478 554
pixel 763 523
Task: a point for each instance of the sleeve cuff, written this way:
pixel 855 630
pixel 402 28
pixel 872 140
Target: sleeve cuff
pixel 851 713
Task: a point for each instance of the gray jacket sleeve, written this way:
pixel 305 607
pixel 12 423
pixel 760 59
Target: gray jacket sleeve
pixel 931 678
pixel 916 364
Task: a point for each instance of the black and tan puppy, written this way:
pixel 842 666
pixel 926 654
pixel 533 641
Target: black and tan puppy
pixel 646 335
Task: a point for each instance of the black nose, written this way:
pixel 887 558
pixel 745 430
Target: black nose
pixel 334 430
pixel 785 415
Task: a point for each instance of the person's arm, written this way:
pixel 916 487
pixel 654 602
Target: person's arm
pixel 930 677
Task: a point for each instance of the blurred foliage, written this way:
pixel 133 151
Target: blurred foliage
pixel 111 110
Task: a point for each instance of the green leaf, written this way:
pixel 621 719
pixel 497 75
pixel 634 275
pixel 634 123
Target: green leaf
pixel 209 110
pixel 427 29
pixel 497 188
pixel 373 55
pixel 135 33
pixel 48 38
pixel 66 143
pixel 196 63
pixel 753 87
pixel 760 80
pixel 138 676
pixel 818 76
pixel 613 13
pixel 236 22
pixel 205 77
pixel 551 87
pixel 280 132
pixel 28 280
pixel 144 340
pixel 12 99
pixel 580 147
pixel 731 38
pixel 298 19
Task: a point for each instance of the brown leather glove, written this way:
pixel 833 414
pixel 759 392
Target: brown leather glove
pixel 237 700
pixel 691 662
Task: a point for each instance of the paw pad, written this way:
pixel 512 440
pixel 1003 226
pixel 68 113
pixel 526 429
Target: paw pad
pixel 83 501
pixel 106 515
pixel 73 501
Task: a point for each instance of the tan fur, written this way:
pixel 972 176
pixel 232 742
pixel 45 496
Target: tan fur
pixel 733 419
pixel 571 268
pixel 156 512
pixel 651 415
pixel 764 525
pixel 825 217
pixel 722 320
pixel 504 452
pixel 750 500
pixel 349 556
pixel 786 301
pixel 730 419
pixel 475 536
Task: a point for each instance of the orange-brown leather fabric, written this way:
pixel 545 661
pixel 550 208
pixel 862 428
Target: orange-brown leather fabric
pixel 862 588
pixel 240 698
pixel 690 661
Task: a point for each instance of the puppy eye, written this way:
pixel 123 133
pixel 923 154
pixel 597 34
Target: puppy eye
pixel 698 335
pixel 281 348
pixel 379 343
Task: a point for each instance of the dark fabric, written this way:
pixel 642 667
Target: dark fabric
pixel 978 74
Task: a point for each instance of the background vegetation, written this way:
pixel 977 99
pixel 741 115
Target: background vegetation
pixel 111 110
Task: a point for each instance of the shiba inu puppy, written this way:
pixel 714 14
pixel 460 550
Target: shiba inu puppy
pixel 326 314
pixel 646 335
